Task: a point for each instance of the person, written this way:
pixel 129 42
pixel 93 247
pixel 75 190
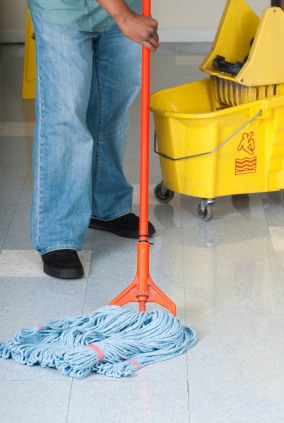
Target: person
pixel 88 56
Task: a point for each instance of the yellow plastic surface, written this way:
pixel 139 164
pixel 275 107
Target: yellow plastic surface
pixel 187 123
pixel 29 73
pixel 238 27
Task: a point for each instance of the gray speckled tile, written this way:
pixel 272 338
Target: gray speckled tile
pixel 142 402
pixel 28 263
pixel 273 206
pixel 34 401
pixel 277 237
pixel 227 277
pixel 6 215
pixel 238 232
pixel 18 236
pixel 258 364
pixel 15 151
pixel 236 323
pixel 12 180
pixel 36 293
pixel 235 401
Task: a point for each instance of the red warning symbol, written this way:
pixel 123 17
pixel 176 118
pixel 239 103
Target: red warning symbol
pixel 247 143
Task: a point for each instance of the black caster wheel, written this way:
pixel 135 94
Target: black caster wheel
pixel 162 194
pixel 205 209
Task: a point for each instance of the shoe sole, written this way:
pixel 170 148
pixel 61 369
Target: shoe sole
pixel 63 273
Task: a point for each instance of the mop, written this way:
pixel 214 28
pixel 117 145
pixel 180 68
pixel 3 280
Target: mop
pixel 112 341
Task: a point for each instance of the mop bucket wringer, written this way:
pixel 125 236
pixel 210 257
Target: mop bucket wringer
pixel 224 135
pixel 245 62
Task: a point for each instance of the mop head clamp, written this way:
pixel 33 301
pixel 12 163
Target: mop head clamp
pixel 111 341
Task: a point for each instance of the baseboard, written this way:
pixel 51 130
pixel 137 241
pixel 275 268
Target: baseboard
pixel 12 36
pixel 166 35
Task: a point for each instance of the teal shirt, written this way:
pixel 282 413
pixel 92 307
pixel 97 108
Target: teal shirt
pixel 84 15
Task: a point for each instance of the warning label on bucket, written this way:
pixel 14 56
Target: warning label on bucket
pixel 246 164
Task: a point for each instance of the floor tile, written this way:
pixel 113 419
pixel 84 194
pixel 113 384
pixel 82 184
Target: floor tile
pixel 273 208
pixel 277 237
pixel 235 401
pixel 18 236
pixel 127 402
pixel 15 151
pixel 229 277
pixel 12 180
pixel 23 263
pixel 6 215
pixel 34 402
pixel 234 323
pixel 16 129
pixel 226 276
pixel 259 364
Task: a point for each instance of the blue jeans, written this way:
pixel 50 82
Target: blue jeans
pixel 86 83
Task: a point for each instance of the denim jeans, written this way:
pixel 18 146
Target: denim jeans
pixel 86 83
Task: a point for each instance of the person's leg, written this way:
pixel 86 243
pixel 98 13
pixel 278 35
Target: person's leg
pixel 63 146
pixel 116 83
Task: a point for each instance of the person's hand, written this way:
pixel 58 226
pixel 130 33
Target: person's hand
pixel 141 29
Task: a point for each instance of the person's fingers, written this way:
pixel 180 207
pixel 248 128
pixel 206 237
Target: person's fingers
pixel 154 41
pixel 150 46
pixel 151 41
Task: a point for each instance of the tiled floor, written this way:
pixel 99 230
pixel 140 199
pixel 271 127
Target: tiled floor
pixel 226 277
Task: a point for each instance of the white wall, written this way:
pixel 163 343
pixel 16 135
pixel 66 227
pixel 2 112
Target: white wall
pixel 179 20
pixel 12 20
pixel 192 20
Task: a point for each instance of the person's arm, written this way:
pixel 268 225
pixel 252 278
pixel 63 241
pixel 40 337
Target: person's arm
pixel 141 29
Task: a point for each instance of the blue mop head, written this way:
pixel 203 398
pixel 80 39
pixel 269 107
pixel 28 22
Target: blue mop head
pixel 111 341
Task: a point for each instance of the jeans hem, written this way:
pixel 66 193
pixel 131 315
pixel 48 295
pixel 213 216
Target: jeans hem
pixel 116 216
pixel 59 247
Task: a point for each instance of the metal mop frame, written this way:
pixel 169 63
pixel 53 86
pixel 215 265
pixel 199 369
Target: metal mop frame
pixel 143 289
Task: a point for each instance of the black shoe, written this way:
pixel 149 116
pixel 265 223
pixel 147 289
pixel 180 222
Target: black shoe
pixel 63 264
pixel 127 226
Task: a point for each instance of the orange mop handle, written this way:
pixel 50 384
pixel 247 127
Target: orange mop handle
pixel 144 134
pixel 142 289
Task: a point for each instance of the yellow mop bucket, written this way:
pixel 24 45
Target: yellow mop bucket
pixel 29 73
pixel 205 152
pixel 224 135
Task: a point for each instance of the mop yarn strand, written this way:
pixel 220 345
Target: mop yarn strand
pixel 110 341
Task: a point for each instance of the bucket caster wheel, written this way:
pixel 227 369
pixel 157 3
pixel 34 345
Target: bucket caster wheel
pixel 205 209
pixel 162 194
